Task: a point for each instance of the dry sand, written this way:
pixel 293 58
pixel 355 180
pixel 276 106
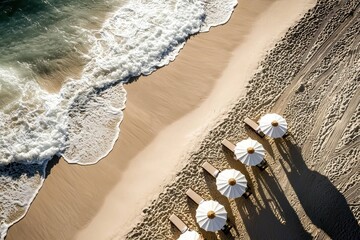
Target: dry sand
pixel 159 159
pixel 311 188
pixel 322 101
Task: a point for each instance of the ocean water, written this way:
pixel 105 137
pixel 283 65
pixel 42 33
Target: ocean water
pixel 62 69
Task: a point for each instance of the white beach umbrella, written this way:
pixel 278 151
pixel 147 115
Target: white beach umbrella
pixel 273 125
pixel 249 152
pixel 211 215
pixel 189 235
pixel 231 183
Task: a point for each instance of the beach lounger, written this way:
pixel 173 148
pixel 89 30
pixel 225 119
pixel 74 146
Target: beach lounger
pixel 229 145
pixel 178 223
pixel 254 126
pixel 194 196
pixel 210 169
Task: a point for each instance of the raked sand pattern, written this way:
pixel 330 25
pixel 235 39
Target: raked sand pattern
pixel 311 187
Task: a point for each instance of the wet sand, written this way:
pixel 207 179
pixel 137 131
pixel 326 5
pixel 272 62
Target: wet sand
pixel 169 112
pixel 310 189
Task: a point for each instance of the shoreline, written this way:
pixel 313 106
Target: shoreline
pixel 181 135
pixel 86 187
pixel 307 190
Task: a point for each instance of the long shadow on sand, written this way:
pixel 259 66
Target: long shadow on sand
pixel 323 203
pixel 267 216
pixel 274 211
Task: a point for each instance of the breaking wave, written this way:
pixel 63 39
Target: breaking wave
pixel 81 121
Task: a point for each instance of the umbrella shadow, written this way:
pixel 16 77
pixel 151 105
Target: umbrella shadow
pixel 326 207
pixel 267 181
pixel 216 195
pixel 275 212
pixel 279 205
pixel 256 220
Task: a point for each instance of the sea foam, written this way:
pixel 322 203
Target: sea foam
pixel 32 127
pixel 124 49
pixel 19 185
pixel 82 121
pixel 136 40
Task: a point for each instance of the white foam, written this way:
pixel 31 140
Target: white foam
pixel 140 37
pixel 136 40
pixel 32 127
pixel 217 12
pixel 19 184
pixel 84 117
pixel 94 124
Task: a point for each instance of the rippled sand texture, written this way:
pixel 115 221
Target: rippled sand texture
pixel 311 187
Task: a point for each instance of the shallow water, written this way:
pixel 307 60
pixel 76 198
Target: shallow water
pixel 62 66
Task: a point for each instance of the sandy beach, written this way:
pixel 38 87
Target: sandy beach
pixel 176 118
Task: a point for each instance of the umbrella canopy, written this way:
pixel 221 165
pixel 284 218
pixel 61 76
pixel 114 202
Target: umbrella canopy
pixel 231 183
pixel 273 125
pixel 211 215
pixel 189 235
pixel 249 152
